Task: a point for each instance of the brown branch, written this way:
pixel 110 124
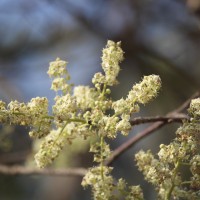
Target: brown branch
pixel 186 104
pixel 128 144
pixel 17 169
pixel 179 117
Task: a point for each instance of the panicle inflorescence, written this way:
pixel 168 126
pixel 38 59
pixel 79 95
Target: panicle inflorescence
pixel 141 92
pixel 34 114
pixel 38 107
pixel 65 107
pixel 102 188
pixel 105 188
pixel 51 147
pixel 102 151
pixel 85 112
pixel 165 172
pixel 57 71
pixel 146 90
pixel 18 113
pixel 85 97
pixel 194 108
pixel 112 56
pixel 124 125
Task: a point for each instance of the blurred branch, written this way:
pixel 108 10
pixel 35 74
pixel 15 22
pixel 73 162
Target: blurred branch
pixel 186 104
pixel 152 128
pixel 14 157
pixel 166 68
pixel 80 15
pixel 16 169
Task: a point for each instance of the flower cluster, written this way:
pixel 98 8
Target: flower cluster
pixel 85 112
pixel 146 90
pixel 57 71
pixel 41 123
pixel 112 56
pixel 104 187
pixel 195 107
pixel 85 97
pixel 102 182
pixel 65 107
pixel 34 114
pixel 51 147
pixel 141 92
pixel 164 172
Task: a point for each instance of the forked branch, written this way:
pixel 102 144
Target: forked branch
pixel 173 116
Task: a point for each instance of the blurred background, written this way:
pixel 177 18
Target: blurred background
pixel 158 37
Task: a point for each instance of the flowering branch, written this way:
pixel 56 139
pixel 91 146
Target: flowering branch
pixel 82 112
pixel 172 116
pixel 13 170
pixel 160 121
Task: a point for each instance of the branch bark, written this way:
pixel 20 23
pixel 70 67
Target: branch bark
pixel 17 169
pixel 178 117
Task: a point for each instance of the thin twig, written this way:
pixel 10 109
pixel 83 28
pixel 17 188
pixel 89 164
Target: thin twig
pixel 128 144
pixel 17 169
pixel 142 120
pixel 186 103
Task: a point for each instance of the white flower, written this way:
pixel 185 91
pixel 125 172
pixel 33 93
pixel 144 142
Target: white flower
pixel 146 90
pixel 57 68
pixel 64 106
pixel 194 108
pixel 85 96
pixel 124 125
